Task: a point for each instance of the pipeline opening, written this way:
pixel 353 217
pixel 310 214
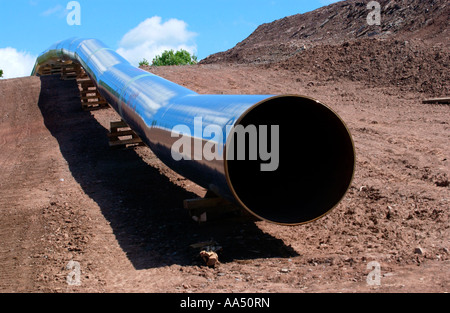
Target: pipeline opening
pixel 315 162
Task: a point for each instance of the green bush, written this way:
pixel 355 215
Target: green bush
pixel 144 62
pixel 1 73
pixel 181 57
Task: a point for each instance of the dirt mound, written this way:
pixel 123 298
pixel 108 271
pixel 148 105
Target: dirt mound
pixel 410 65
pixel 65 197
pixel 339 22
pixel 410 49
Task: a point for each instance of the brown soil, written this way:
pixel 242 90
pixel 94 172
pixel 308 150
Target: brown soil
pixel 344 21
pixel 410 65
pixel 66 196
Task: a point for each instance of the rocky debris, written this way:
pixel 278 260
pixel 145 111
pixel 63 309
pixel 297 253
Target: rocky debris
pixel 210 257
pixel 411 66
pixel 419 251
pixel 409 49
pixel 208 252
pixel 337 23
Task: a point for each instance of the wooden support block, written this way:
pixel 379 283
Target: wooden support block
pixel 88 93
pixel 50 69
pixel 91 99
pixel 85 80
pixel 204 203
pixel 69 77
pixel 70 71
pixel 121 129
pixel 92 96
pixel 118 124
pixel 214 208
pixel 82 74
pixel 92 106
pixel 86 84
pixel 125 142
pixel 122 133
pixel 437 101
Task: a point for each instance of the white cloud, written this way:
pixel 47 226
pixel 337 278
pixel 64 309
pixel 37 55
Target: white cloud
pixel 52 10
pixel 152 37
pixel 16 63
pixel 58 11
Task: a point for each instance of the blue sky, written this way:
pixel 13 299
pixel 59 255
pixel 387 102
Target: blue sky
pixel 135 28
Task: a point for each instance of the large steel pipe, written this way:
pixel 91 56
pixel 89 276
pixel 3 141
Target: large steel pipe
pixel 300 174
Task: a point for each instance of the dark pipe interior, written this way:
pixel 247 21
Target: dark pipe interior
pixel 316 162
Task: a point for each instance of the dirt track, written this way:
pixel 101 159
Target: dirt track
pixel 66 196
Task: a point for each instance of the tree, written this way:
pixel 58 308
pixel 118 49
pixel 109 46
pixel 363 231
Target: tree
pixel 1 73
pixel 181 57
pixel 144 62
